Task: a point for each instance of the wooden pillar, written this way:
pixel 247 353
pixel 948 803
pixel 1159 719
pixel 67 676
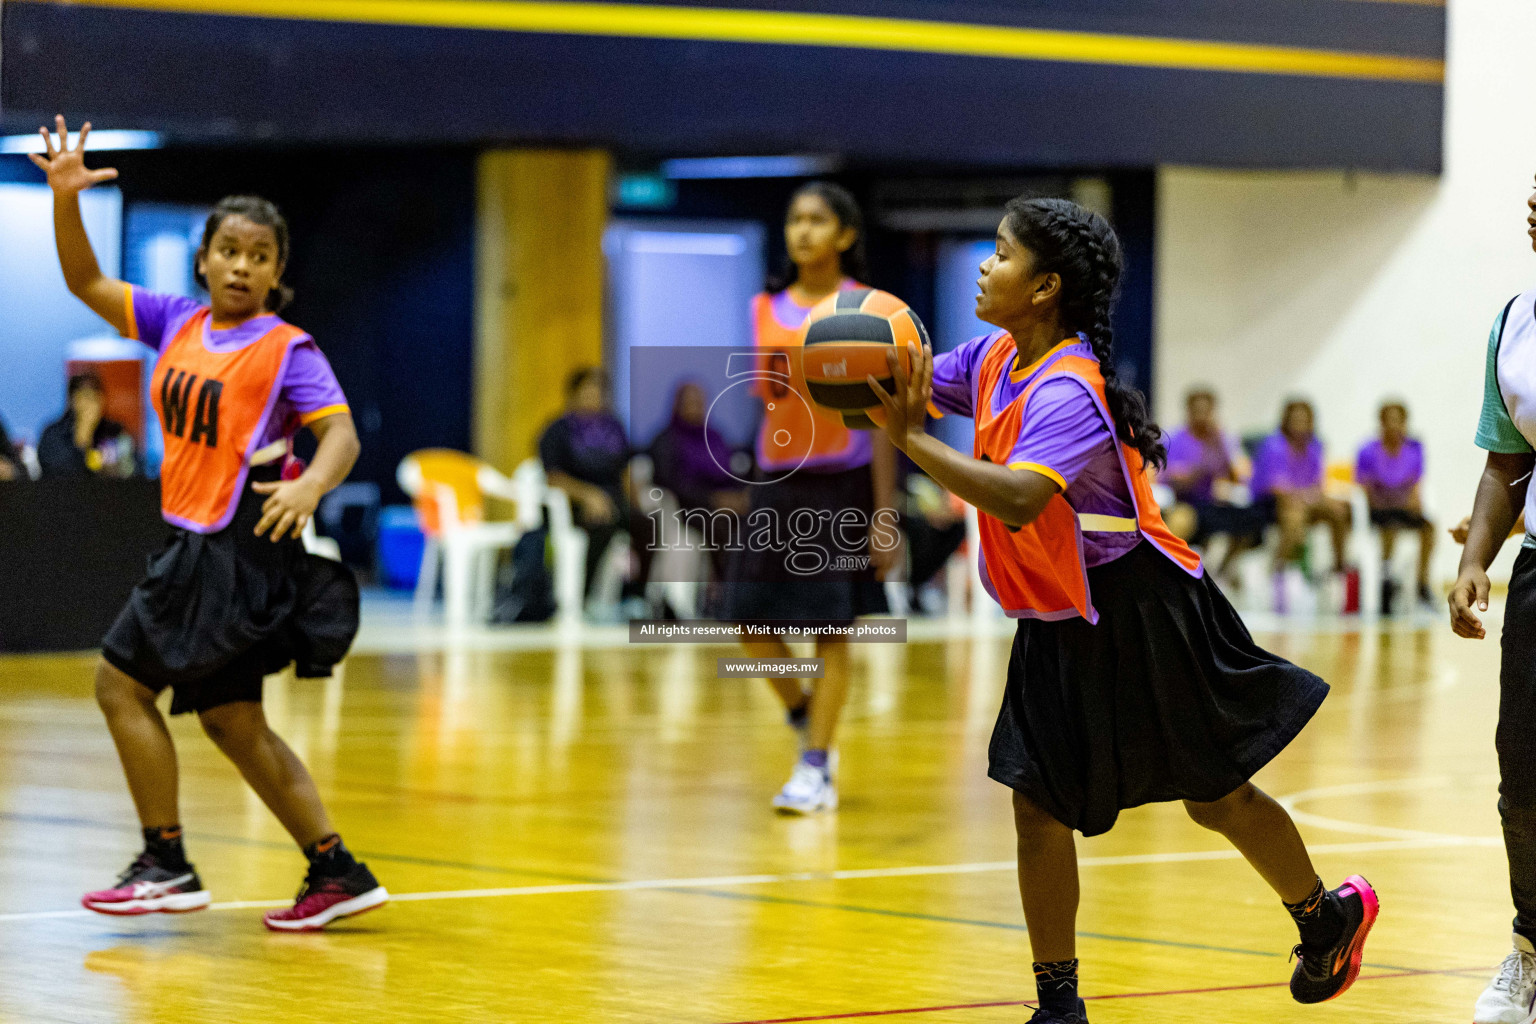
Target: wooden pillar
pixel 539 290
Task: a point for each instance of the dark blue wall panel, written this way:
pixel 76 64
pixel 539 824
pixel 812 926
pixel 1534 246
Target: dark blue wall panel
pixel 211 78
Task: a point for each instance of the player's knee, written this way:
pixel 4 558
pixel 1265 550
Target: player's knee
pixel 116 691
pixel 1031 821
pixel 233 726
pixel 1218 815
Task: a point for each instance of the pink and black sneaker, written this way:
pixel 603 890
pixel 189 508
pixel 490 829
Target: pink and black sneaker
pixel 325 899
pixel 1324 973
pixel 147 887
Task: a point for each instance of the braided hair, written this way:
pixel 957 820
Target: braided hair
pixel 1081 247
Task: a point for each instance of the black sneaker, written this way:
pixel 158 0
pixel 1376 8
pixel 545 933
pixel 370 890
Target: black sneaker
pixel 1389 591
pixel 148 887
pixel 1044 1016
pixel 1326 973
pixel 326 898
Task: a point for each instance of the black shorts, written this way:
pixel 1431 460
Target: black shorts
pixel 770 584
pixel 1246 522
pixel 1167 697
pixel 1403 518
pixel 219 611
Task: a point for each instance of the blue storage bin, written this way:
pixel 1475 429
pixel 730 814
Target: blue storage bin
pixel 400 546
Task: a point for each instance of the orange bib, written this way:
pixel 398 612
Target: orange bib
pixel 795 430
pixel 1039 571
pixel 213 407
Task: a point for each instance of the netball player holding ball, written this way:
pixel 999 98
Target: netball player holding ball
pixel 233 596
pixel 1132 679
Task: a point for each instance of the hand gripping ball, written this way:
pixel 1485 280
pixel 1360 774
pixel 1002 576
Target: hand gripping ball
pixel 847 336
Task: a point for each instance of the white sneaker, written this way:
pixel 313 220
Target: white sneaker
pixel 808 790
pixel 1510 997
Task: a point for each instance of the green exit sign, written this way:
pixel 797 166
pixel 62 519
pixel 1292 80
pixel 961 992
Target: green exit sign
pixel 648 191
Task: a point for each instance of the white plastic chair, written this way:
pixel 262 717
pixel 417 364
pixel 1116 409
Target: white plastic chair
pixel 465 547
pixel 325 547
pixel 536 501
pixel 678 570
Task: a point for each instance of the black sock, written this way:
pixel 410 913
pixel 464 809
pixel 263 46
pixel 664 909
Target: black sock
pixel 163 842
pixel 330 856
pixel 1056 985
pixel 1318 918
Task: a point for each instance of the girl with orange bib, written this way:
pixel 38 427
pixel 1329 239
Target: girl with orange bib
pixel 232 596
pixel 810 464
pixel 1132 679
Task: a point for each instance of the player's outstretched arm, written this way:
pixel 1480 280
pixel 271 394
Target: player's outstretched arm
pixel 1500 497
pixel 1014 496
pixel 68 177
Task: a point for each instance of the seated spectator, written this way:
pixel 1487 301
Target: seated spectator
pixel 83 442
pixel 683 457
pixel 1389 469
pixel 586 455
pixel 1204 464
pixel 1288 476
pixel 10 463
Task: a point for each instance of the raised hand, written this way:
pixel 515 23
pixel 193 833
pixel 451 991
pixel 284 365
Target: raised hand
pixel 65 167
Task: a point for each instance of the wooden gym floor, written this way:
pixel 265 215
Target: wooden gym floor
pixel 583 834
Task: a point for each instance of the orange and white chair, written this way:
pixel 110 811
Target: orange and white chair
pixel 447 489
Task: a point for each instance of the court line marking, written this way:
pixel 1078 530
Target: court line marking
pixel 747 25
pixel 1089 999
pixel 1375 786
pixel 287 846
pixel 850 874
pixel 1013 926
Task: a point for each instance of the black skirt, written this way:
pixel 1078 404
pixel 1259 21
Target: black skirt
pixel 772 584
pixel 219 611
pixel 1166 698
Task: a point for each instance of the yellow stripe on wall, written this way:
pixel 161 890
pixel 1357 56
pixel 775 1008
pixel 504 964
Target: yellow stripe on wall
pixel 800 29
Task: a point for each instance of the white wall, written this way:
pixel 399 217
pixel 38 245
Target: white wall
pixel 38 316
pixel 1349 287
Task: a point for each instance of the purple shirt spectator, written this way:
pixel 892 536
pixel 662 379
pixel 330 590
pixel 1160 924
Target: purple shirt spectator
pixel 687 458
pixel 308 391
pixel 1389 480
pixel 1202 461
pixel 1278 466
pixel 1062 434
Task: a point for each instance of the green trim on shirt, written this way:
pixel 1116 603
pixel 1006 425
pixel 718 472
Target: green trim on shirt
pixel 1496 432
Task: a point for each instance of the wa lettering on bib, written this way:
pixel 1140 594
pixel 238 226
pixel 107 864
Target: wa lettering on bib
pixel 213 409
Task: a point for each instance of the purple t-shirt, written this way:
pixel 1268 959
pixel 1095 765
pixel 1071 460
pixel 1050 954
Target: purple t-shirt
pixel 309 389
pixel 1202 461
pixel 1062 434
pixel 1278 466
pixel 1389 480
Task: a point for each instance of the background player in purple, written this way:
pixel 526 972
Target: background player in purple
pixel 1204 463
pixel 1390 469
pixel 1288 472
